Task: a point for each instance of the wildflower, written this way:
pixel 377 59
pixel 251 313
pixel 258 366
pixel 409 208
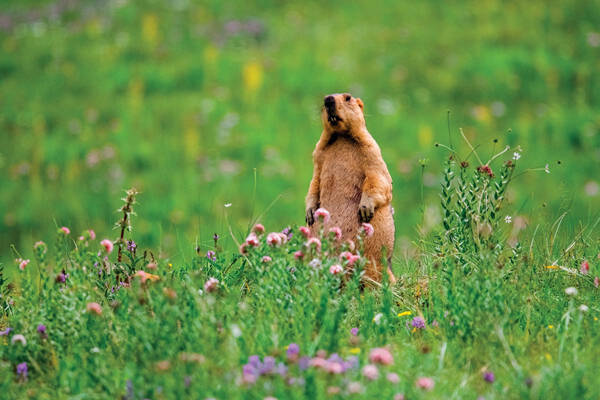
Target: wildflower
pixel 370 372
pixel 354 331
pixel 349 257
pixel 381 355
pixel 303 363
pixel 40 247
pixel 596 282
pixel 19 338
pixel 41 328
pixel 292 351
pixel 355 388
pixel 516 156
pixel 547 169
pixel 584 308
pixel 131 246
pixel 315 263
pixel 64 230
pixel 486 170
pixel 227 205
pixel 252 239
pixel 336 269
pixel 336 232
pixel 418 323
pixel 354 350
pixel 22 370
pixel 425 383
pixel 6 332
pixel 399 396
pixel 22 263
pixel 489 377
pixel 94 308
pixel 258 229
pixel 287 233
pixel 274 239
pixel 404 313
pixel 305 231
pixel 92 234
pixel 571 291
pixel 298 255
pixel 144 276
pixel 377 318
pixel 314 241
pixel 211 285
pixel 585 267
pixel 244 248
pixel 393 377
pixel 211 255
pixel 367 229
pixel 216 238
pixel 333 390
pixel 508 219
pixel 108 245
pixel 266 259
pixel 322 215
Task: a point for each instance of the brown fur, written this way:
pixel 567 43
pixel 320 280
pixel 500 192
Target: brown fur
pixel 352 182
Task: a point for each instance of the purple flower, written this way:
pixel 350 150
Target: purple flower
pixel 303 363
pixel 22 370
pixel 61 278
pixel 488 376
pixel 354 331
pixel 288 232
pixel 293 350
pixel 267 366
pixel 211 255
pixel 254 360
pixel 131 246
pixel 187 381
pixel 418 323
pixel 281 369
pixel 5 332
pixel 41 329
pixel 216 237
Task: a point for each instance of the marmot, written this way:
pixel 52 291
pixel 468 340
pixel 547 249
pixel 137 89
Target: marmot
pixel 351 181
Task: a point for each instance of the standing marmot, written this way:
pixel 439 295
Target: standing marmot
pixel 351 181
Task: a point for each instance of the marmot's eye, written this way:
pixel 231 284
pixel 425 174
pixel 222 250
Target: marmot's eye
pixel 348 97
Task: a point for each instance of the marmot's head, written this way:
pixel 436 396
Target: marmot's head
pixel 342 113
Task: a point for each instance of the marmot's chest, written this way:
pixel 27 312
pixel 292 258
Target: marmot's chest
pixel 342 171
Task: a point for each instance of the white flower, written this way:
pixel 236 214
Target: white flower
pixel 547 169
pixel 571 291
pixel 236 331
pixel 227 205
pixel 516 156
pixel 584 308
pixel 377 318
pixel 508 219
pixel 19 338
pixel 315 263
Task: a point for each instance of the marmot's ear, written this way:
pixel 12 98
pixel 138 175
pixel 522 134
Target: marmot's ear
pixel 360 104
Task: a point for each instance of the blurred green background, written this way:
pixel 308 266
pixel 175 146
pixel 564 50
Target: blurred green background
pixel 190 101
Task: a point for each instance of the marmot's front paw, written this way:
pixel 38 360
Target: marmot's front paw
pixel 310 215
pixel 366 210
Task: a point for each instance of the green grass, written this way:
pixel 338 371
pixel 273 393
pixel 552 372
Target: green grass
pixel 202 104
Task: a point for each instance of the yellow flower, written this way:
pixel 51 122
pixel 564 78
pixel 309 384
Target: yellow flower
pixel 548 357
pixel 404 313
pixel 552 266
pixel 355 350
pixel 595 318
pixel 550 326
pixel 253 75
pixel 170 265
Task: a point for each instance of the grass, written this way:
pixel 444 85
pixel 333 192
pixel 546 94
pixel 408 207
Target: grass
pixel 210 110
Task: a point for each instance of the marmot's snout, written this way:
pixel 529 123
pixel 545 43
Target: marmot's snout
pixel 332 116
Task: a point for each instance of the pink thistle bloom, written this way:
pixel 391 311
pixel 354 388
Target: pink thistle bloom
pixel 336 269
pixel 211 285
pixel 334 367
pixel 108 245
pixel 381 355
pixel 274 239
pixel 370 372
pixel 368 229
pixel 318 362
pixel 94 308
pixel 596 281
pixel 305 231
pixel 425 383
pixel 314 241
pixel 322 214
pixel 81 238
pixel 22 263
pixel 585 267
pixel 258 229
pixel 298 255
pixel 252 239
pixel 351 258
pixel 393 377
pixel 337 232
pixel 65 230
pixel 92 234
pixel 244 248
pixel 266 259
pixel 282 236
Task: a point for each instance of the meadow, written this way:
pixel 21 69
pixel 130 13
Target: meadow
pixel 211 110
